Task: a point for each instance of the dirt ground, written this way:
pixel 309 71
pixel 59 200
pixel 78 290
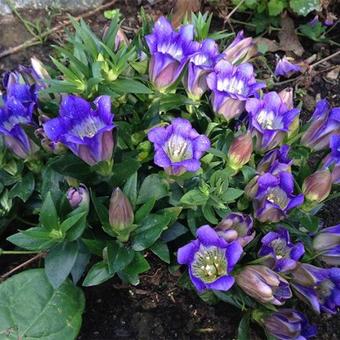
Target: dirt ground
pixel 158 308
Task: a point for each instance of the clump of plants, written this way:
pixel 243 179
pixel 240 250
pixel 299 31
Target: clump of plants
pixel 165 144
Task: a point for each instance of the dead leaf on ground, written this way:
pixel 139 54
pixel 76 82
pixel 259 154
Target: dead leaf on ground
pixel 289 41
pixel 333 74
pixel 269 45
pixel 183 8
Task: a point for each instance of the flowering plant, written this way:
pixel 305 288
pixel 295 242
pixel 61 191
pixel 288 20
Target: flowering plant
pixel 163 145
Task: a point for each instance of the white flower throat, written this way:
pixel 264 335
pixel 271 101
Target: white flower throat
pixel 178 148
pixel 88 127
pixel 232 85
pixel 268 120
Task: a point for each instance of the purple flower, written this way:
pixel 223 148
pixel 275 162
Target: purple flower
pixel 285 68
pixel 332 161
pixel 237 226
pixel 200 64
pixel 314 21
pixel 20 101
pixel 277 245
pixel 232 86
pixel 319 287
pixel 263 284
pixel 178 147
pixel 274 197
pixel 170 51
pixel 270 120
pixel 275 161
pixel 327 244
pixel 86 131
pixel 210 260
pixel 325 123
pixel 289 324
pixel 78 196
pixel 240 50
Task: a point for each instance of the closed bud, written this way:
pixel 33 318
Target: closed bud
pixel 240 151
pixel 286 96
pixel 251 188
pixel 78 196
pixel 317 186
pixel 121 214
pixel 263 284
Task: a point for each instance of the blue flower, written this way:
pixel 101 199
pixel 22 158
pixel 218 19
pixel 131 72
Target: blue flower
pixel 285 68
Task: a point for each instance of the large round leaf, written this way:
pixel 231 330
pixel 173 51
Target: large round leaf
pixel 31 309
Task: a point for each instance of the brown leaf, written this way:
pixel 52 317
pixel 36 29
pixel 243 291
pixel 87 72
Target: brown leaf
pixel 270 45
pixel 289 41
pixel 183 8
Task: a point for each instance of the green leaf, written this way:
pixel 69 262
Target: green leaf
pixel 124 86
pixel 161 250
pixel 71 221
pixel 31 309
pixel 24 188
pixel 231 195
pixel 122 171
pixel 118 257
pixel 303 7
pixel 137 266
pixel 130 189
pixel 98 274
pixel 144 210
pixel 176 230
pixel 95 246
pixel 150 231
pixel 275 7
pixel 48 213
pixel 194 197
pixel 154 186
pixel 60 261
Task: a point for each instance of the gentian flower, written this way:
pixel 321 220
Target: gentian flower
pixel 170 52
pixel 232 86
pixel 289 324
pixel 178 147
pixel 274 197
pixel 314 21
pixel 277 245
pixel 263 284
pixel 319 287
pixel 200 64
pixel 237 226
pixel 325 123
pixel 285 68
pixel 240 50
pixel 86 131
pixel 210 260
pixel 332 161
pixel 20 101
pixel 327 244
pixel 275 161
pixel 317 186
pixel 78 196
pixel 270 120
pixel 240 151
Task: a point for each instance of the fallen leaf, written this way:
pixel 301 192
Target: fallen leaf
pixel 266 45
pixel 289 41
pixel 333 74
pixel 183 8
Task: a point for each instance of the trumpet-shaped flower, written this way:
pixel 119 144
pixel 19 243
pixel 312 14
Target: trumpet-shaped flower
pixel 285 68
pixel 86 131
pixel 332 161
pixel 178 147
pixel 231 87
pixel 210 260
pixel 270 120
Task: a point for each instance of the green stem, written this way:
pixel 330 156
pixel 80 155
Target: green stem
pixel 18 252
pixel 25 221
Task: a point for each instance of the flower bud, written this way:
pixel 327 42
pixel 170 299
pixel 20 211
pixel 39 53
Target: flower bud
pixel 264 285
pixel 121 214
pixel 240 151
pixel 317 186
pixel 286 96
pixel 78 196
pixel 251 188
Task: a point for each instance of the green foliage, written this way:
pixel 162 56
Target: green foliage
pixel 31 308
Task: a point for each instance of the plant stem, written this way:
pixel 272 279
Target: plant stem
pixel 324 59
pixel 25 221
pixel 18 252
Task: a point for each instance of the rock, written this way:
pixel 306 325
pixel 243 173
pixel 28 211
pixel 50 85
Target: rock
pixel 72 5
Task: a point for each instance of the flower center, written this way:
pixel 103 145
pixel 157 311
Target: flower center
pixel 277 196
pixel 14 120
pixel 209 264
pixel 232 85
pixel 325 289
pixel 88 127
pixel 200 59
pixel 280 248
pixel 178 149
pixel 172 49
pixel 268 120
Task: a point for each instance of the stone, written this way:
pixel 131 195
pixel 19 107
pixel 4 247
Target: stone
pixel 71 5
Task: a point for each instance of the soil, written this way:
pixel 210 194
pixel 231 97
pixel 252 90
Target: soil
pixel 158 308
